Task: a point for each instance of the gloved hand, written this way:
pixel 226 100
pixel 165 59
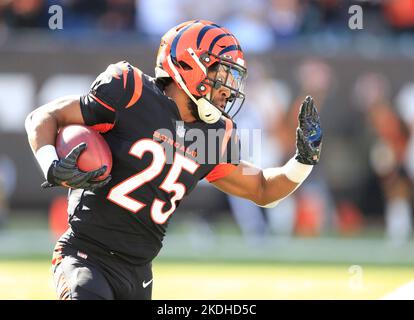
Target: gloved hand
pixel 308 134
pixel 65 172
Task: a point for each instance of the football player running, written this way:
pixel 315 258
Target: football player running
pixel 116 226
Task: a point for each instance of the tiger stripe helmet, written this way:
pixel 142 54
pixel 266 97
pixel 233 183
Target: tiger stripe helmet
pixel 186 53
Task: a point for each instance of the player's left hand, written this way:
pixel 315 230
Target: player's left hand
pixel 308 134
pixel 65 172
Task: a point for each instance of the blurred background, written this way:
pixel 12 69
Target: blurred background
pixel 353 214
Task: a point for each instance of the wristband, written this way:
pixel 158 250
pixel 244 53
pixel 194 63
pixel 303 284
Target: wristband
pixel 45 156
pixel 296 171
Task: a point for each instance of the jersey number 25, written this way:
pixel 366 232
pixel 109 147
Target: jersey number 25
pixel 119 193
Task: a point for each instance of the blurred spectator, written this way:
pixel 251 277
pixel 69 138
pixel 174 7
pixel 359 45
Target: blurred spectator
pixel 270 99
pixel 329 13
pixel 266 103
pixel 4 207
pixel 277 21
pixel 7 186
pixel 405 107
pixel 25 14
pixel 314 199
pixel 400 14
pixel 332 16
pixel 81 15
pixel 213 10
pixel 405 103
pixel 248 25
pixel 153 22
pixel 286 18
pixel 8 175
pixel 58 216
pixel 109 15
pixel 119 15
pixel 387 153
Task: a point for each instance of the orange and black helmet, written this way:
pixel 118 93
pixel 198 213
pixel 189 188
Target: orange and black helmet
pixel 189 51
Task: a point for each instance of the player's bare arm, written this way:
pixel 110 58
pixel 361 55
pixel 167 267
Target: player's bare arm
pixel 267 187
pixel 43 123
pixel 42 126
pixel 255 186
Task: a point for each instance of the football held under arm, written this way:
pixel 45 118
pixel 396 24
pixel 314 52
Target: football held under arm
pixel 43 124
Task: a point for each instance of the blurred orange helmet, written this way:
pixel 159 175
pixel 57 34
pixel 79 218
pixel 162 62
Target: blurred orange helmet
pixel 186 53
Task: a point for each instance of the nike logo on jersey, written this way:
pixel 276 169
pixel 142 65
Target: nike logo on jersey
pixel 146 284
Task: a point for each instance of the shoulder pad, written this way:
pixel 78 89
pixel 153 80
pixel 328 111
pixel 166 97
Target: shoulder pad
pixel 119 86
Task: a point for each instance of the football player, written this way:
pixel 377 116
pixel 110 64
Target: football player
pixel 117 225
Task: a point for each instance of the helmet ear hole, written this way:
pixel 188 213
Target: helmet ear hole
pixel 214 66
pixel 185 66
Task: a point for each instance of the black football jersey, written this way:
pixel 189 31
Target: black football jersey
pixel 157 160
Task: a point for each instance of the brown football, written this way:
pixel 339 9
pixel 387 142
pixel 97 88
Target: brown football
pixel 96 154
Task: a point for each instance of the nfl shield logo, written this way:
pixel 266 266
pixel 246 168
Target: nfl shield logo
pixel 180 130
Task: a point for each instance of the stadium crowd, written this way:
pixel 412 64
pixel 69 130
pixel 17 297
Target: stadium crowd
pixel 278 21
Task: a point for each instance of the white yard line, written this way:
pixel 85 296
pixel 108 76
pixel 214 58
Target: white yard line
pixel 405 292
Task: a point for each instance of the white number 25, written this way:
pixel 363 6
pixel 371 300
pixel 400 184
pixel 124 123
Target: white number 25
pixel 119 193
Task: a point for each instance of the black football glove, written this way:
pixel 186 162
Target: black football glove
pixel 308 134
pixel 65 172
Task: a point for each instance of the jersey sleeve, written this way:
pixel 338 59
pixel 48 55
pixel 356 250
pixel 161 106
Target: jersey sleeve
pixel 118 87
pixel 229 153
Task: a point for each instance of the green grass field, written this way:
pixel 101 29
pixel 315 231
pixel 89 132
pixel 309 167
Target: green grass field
pixel 31 279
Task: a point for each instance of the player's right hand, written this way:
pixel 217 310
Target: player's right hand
pixel 65 172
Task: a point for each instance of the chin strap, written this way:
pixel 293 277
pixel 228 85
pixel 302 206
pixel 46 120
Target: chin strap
pixel 206 111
